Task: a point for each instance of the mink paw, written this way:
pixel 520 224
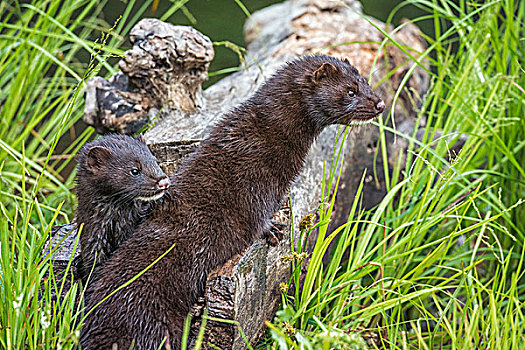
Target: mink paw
pixel 273 234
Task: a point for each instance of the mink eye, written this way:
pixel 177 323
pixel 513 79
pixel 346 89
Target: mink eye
pixel 351 93
pixel 134 171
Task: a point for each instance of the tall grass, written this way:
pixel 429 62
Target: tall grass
pixel 439 262
pixel 42 74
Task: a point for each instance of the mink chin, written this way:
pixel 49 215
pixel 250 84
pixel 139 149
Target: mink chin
pixel 222 199
pixel 118 181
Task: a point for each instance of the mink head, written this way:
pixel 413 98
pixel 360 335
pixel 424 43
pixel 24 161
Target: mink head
pixel 336 93
pixel 121 168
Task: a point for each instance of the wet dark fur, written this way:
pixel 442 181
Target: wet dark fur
pixel 222 201
pixel 108 194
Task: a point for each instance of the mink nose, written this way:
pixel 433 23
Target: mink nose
pixel 163 183
pixel 380 107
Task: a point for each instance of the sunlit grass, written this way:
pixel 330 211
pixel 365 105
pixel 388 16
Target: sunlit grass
pixel 439 262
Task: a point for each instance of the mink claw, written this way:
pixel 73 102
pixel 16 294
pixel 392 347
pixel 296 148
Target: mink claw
pixel 274 235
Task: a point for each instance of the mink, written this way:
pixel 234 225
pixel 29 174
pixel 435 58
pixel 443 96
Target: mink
pixel 224 198
pixel 118 180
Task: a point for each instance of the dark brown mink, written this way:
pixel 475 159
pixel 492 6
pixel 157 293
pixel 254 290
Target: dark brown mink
pixel 223 199
pixel 118 180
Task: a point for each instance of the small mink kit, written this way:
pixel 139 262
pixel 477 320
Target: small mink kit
pixel 118 180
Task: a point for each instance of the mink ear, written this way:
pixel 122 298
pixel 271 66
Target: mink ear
pixel 97 158
pixel 326 70
pixel 345 60
pixel 141 138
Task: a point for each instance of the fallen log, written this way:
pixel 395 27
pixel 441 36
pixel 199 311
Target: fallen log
pixel 160 83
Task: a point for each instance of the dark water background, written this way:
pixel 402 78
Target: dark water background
pixel 223 20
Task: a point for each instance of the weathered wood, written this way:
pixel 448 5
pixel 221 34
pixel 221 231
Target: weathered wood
pixel 60 249
pixel 246 289
pixel 165 68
